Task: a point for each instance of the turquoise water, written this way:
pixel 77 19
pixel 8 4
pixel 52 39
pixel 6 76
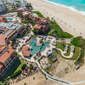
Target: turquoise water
pixel 36 48
pixel 23 2
pixel 75 5
pixel 9 19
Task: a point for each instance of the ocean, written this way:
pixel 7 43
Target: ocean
pixel 74 5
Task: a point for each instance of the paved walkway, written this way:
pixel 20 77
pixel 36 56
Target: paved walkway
pixel 63 52
pixel 50 77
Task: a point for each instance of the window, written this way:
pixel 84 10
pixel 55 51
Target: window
pixel 12 57
pixel 7 61
pixel 0 70
pixel 3 18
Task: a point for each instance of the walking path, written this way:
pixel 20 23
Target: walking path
pixel 50 77
pixel 63 52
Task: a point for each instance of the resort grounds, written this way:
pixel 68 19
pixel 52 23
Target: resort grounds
pixel 39 80
pixel 67 49
pixel 70 21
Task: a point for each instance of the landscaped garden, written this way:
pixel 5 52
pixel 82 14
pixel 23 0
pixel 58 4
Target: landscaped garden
pixel 61 46
pixel 69 50
pixel 38 13
pixel 79 42
pixel 12 69
pixel 54 27
pixel 75 54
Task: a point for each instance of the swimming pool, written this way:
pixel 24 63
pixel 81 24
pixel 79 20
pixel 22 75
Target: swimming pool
pixel 36 48
pixel 9 19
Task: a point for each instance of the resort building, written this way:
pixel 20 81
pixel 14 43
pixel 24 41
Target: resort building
pixel 25 51
pixel 41 26
pixel 7 55
pixel 2 7
pixel 34 17
pixel 26 13
pixel 10 29
pixel 12 1
pixel 22 9
pixel 3 19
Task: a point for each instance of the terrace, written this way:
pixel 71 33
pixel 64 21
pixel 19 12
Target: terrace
pixel 42 25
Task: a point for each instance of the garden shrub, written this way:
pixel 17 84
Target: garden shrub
pixel 23 67
pixel 15 74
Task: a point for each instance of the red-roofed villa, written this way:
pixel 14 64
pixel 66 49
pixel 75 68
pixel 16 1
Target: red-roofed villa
pixel 3 19
pixel 25 51
pixel 7 55
pixel 42 25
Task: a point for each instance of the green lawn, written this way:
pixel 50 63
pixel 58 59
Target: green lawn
pixel 12 69
pixel 38 13
pixel 19 67
pixel 49 31
pixel 80 60
pixel 75 55
pixel 2 82
pixel 79 42
pixel 15 67
pixel 69 50
pixel 58 31
pixel 61 45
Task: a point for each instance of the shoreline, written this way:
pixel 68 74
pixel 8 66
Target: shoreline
pixel 65 6
pixel 72 22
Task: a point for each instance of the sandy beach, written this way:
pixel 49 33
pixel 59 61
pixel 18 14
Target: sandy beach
pixel 75 22
pixel 75 25
pixel 39 80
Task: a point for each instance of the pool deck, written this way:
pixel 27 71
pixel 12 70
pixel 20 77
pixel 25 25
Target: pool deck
pixel 12 15
pixel 22 41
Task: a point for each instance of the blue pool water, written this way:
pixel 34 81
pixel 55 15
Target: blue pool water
pixel 9 19
pixel 36 48
pixel 75 5
pixel 23 2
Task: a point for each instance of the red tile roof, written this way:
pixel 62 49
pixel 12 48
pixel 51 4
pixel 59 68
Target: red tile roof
pixel 21 9
pixel 6 55
pixel 25 51
pixel 3 19
pixel 4 29
pixel 1 48
pixel 11 33
pixel 9 44
pixel 2 40
pixel 37 26
pixel 1 65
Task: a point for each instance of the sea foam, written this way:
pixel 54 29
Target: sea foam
pixel 65 6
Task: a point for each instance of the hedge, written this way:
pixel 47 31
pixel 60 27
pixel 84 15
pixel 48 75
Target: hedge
pixel 15 74
pixel 23 67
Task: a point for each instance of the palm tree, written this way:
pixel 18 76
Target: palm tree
pixel 47 18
